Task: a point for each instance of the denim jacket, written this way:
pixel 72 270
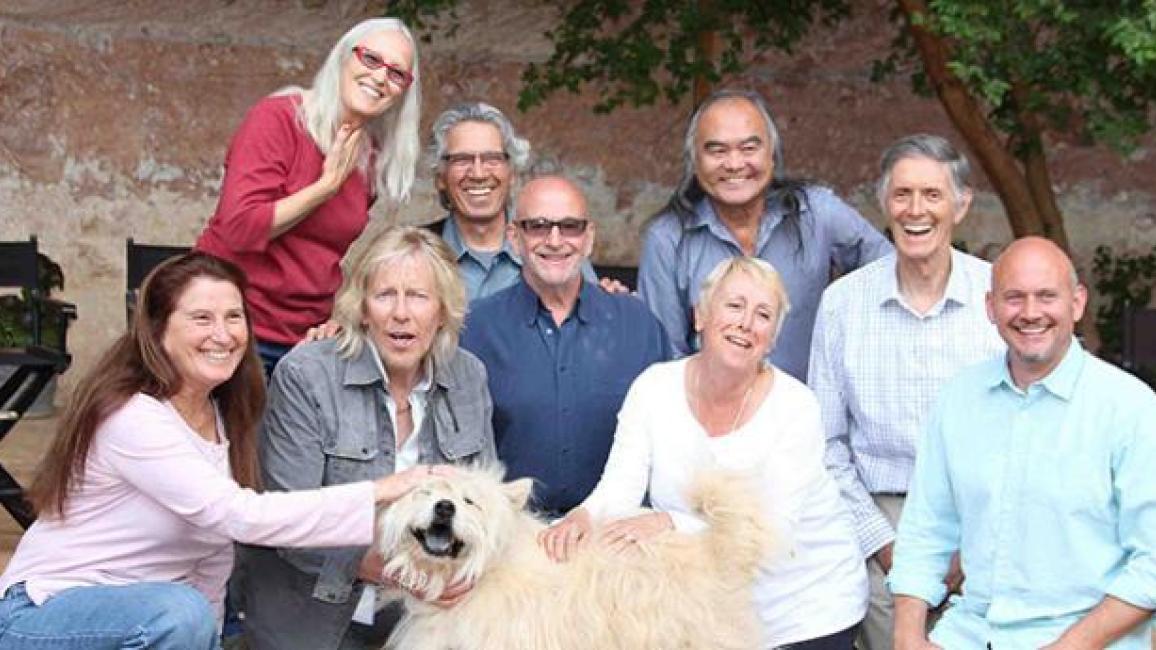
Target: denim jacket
pixel 326 423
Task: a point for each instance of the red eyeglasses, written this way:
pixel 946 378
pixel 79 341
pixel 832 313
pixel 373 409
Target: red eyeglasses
pixel 398 76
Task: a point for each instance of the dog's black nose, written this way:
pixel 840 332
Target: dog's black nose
pixel 444 509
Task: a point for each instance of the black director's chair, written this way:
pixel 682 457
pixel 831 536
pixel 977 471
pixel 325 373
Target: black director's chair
pixel 139 260
pixel 35 359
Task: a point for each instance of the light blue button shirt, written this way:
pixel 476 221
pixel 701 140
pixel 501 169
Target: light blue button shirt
pixel 1048 493
pixel 677 257
pixel 482 276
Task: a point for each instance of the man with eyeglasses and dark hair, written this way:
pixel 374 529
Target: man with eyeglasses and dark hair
pixel 560 352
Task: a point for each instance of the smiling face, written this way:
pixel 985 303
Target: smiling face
pixel 367 93
pixel 206 335
pixel 551 262
pixel 402 313
pixel 477 189
pixel 739 324
pixel 733 154
pixel 923 208
pixel 1035 305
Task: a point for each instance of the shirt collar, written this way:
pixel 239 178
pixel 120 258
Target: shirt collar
pixel 453 237
pixel 958 289
pixel 527 304
pixel 366 368
pixel 705 216
pixel 1061 381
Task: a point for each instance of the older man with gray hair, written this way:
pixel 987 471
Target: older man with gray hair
pixel 886 339
pixel 477 156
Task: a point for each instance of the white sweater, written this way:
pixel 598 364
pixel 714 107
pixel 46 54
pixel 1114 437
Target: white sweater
pixel 816 584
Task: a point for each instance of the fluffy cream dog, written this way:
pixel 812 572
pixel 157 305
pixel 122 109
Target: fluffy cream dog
pixel 675 591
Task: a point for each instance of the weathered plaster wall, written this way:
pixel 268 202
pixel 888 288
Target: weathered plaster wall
pixel 114 118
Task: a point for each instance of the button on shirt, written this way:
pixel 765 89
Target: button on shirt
pixel 1049 495
pixel 877 366
pixel 675 260
pixel 557 389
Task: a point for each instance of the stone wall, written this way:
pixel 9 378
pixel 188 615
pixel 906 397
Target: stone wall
pixel 114 120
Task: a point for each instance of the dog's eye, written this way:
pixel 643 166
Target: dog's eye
pixel 469 502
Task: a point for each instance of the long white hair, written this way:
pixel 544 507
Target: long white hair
pixel 395 130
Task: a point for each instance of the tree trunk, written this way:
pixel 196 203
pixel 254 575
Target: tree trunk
pixel 967 115
pixel 1029 148
pixel 707 51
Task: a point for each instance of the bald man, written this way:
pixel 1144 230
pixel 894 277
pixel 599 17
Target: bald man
pixel 560 352
pixel 1037 468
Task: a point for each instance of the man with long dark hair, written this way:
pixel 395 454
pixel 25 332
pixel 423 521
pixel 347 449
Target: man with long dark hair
pixel 734 198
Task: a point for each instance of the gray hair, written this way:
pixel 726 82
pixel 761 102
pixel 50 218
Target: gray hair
pixel 395 131
pixel 688 191
pixel 757 268
pixel 516 147
pixel 383 245
pixel 932 147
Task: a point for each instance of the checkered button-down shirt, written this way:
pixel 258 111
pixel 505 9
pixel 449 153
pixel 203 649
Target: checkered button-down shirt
pixel 877 366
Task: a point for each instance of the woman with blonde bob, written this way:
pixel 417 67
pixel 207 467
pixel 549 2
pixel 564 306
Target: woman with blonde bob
pixel 727 407
pixel 302 171
pixel 392 391
pixel 151 479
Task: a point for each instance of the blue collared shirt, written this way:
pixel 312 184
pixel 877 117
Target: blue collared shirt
pixel 1048 494
pixel 833 235
pixel 877 366
pixel 557 390
pixel 482 276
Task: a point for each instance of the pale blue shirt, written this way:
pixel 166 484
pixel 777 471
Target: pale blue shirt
pixel 482 274
pixel 877 366
pixel 677 257
pixel 1049 495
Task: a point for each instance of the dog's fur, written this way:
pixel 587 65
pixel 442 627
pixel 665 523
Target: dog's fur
pixel 674 591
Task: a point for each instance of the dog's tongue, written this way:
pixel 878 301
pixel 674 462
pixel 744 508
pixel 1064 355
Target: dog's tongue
pixel 439 539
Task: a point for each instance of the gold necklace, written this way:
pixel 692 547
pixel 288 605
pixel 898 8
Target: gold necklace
pixel 742 405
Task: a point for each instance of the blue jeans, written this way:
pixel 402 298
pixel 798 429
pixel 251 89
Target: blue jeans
pixel 162 615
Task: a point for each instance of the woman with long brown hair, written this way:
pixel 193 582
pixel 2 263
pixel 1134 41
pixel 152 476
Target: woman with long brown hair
pixel 151 479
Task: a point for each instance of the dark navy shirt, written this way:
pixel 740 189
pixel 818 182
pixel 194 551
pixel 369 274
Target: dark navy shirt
pixel 557 390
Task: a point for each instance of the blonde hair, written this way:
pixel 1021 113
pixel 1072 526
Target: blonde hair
pixel 380 246
pixel 757 268
pixel 395 130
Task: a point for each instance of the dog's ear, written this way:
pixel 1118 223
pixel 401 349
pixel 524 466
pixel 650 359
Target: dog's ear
pixel 518 492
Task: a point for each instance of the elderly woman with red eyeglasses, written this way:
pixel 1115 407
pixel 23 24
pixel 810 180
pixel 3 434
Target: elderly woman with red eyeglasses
pixel 302 171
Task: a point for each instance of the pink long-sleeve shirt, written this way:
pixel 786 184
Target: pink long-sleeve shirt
pixel 158 503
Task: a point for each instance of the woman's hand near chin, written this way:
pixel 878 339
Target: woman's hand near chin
pixel 560 540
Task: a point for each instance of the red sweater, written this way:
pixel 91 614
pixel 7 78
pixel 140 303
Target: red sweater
pixel 293 278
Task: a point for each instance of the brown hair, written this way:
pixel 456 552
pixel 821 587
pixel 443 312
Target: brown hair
pixel 137 363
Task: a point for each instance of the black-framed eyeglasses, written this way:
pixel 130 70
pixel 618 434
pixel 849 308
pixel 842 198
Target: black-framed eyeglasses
pixel 541 226
pixel 487 159
pixel 397 75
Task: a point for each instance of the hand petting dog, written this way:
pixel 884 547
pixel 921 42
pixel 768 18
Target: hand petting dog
pixel 567 535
